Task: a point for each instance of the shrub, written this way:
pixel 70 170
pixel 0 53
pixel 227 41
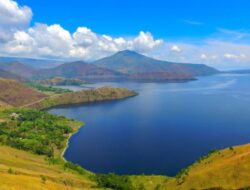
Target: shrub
pixel 114 181
pixel 74 167
pixel 35 131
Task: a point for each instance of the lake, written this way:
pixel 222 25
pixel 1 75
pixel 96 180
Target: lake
pixel 162 130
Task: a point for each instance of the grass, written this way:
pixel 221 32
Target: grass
pixel 24 170
pixel 85 96
pixel 225 169
pixel 17 94
pixel 47 88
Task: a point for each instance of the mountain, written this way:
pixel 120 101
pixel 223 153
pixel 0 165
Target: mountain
pixel 7 75
pixel 35 63
pixel 124 65
pixel 244 71
pixel 137 65
pixel 18 69
pixel 80 70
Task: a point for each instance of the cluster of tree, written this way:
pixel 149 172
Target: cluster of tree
pixel 113 181
pixel 35 131
pixel 47 88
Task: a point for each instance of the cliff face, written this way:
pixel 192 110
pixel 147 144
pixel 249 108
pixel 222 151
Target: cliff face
pixel 86 96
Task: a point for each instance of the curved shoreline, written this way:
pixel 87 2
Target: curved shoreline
pixel 67 143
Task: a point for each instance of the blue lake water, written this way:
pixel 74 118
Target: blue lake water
pixel 163 129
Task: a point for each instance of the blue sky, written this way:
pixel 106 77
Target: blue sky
pixel 163 18
pixel 213 32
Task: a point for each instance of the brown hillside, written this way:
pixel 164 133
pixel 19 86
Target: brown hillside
pixel 16 94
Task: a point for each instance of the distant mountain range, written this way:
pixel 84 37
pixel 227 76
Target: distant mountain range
pixel 124 65
pixel 19 69
pixel 130 62
pixel 35 63
pixel 9 75
pixel 80 70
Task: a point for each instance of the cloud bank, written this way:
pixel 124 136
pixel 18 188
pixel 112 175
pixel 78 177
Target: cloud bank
pixel 226 49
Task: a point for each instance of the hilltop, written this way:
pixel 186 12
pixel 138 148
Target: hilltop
pixel 138 65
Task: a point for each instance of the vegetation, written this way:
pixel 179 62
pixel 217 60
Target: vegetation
pixel 47 88
pixel 85 96
pixel 63 81
pixel 75 167
pixel 22 170
pixel 35 131
pixel 18 94
pixel 113 181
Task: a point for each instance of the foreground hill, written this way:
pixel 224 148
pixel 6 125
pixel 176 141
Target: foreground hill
pixel 225 169
pixel 21 170
pixel 136 65
pixel 15 93
pixel 85 96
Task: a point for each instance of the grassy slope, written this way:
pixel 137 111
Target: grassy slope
pixel 86 96
pixel 27 170
pixel 225 169
pixel 17 94
pixel 228 169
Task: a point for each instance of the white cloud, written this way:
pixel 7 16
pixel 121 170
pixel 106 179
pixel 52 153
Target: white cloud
pixel 144 42
pixel 12 18
pixel 204 56
pixel 234 56
pixel 230 56
pixel 54 41
pixel 225 49
pixel 175 48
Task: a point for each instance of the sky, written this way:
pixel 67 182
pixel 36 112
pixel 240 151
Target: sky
pixel 212 32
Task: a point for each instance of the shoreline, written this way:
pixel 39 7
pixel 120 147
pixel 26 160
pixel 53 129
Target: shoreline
pixel 67 142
